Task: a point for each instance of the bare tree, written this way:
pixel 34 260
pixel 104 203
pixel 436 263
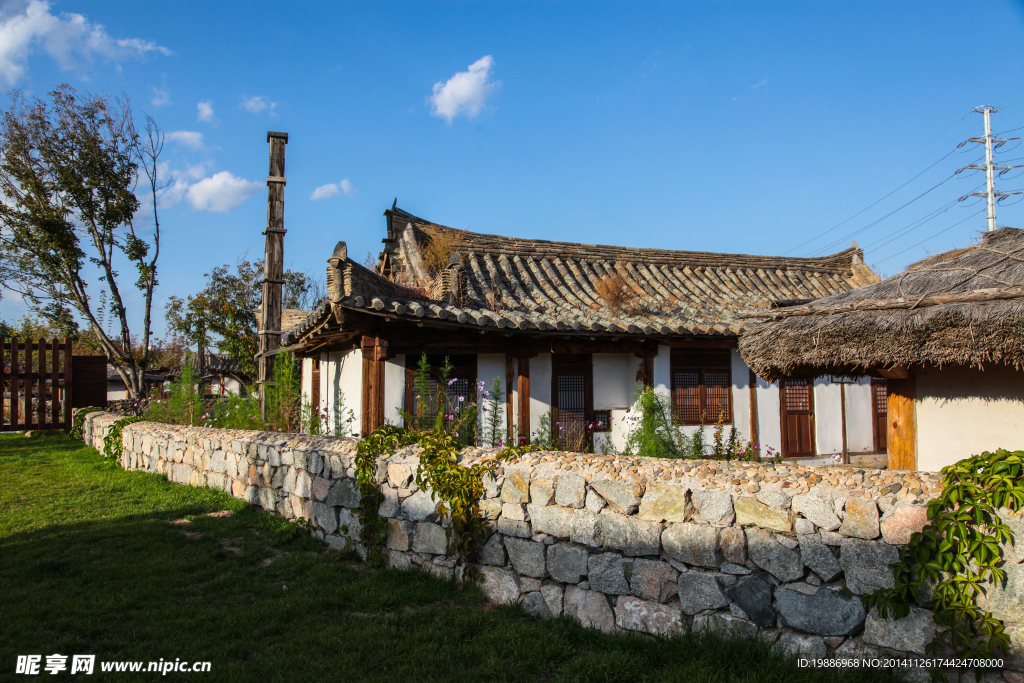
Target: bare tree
pixel 69 168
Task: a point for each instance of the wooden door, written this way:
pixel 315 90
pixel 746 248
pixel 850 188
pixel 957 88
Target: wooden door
pixel 572 401
pixel 901 432
pixel 880 413
pixel 797 403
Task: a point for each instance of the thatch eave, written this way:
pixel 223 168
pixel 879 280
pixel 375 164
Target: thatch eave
pixel 974 333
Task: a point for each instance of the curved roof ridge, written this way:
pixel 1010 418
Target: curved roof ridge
pixel 483 243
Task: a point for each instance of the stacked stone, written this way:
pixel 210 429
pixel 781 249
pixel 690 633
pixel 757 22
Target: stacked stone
pixel 617 543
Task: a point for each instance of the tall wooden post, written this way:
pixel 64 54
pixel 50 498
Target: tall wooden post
pixel 523 388
pixel 273 266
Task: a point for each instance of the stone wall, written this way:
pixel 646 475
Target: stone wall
pixel 614 542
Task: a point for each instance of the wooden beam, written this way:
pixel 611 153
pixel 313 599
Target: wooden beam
pixel 754 431
pixel 898 372
pixel 902 431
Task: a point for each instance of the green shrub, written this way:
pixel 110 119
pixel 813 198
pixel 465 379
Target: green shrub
pixel 959 554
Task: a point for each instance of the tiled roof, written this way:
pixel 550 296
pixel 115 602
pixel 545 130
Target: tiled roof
pixel 538 285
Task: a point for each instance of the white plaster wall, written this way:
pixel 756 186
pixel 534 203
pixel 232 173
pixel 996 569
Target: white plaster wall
pixel 307 380
pixel 828 417
pixel 540 389
pixel 325 381
pixel 663 371
pixel 860 434
pixel 394 390
pixel 615 441
pixel 116 391
pixel 614 380
pixel 769 420
pixel 962 412
pixel 232 386
pixel 342 373
pixel 740 394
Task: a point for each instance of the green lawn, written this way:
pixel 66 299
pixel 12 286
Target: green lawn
pixel 126 566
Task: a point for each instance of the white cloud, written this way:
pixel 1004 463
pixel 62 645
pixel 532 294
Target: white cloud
pixel 189 138
pixel 258 104
pixel 204 112
pixel 763 81
pixel 161 97
pixel 70 39
pixel 324 192
pixel 464 93
pixel 332 190
pixel 221 192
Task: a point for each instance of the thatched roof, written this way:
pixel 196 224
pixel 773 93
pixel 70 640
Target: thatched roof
pixel 435 275
pixel 961 307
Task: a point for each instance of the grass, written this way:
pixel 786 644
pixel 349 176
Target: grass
pixel 127 566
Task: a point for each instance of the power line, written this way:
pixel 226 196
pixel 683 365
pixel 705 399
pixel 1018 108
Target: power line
pixel 880 175
pixel 822 234
pixel 929 238
pixel 831 245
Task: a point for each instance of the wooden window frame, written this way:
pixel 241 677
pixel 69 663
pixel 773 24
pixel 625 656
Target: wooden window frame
pixel 701 361
pixel 566 364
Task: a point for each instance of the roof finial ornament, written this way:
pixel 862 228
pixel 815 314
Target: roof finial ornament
pixel 394 204
pixel 854 244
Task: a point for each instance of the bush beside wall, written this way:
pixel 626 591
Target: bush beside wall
pixel 615 542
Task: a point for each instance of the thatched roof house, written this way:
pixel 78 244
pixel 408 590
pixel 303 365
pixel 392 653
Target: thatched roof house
pixel 953 322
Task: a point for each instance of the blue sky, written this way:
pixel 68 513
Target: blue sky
pixel 773 128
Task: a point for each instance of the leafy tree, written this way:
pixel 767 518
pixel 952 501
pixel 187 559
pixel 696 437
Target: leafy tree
pixel 225 312
pixel 69 168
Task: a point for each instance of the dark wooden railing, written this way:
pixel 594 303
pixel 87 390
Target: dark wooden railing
pixel 36 381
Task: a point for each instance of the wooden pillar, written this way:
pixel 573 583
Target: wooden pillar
pixel 902 415
pixel 509 379
pixel 754 430
pixel 273 265
pixel 374 355
pixel 67 385
pixel 524 399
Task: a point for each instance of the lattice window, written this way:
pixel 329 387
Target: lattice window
pixel 798 395
pixel 881 398
pixel 686 396
pixel 602 420
pixel 572 412
pixel 700 396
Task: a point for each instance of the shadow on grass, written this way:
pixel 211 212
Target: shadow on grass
pixel 127 566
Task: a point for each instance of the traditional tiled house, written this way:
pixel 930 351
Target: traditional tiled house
pixel 948 333
pixel 570 329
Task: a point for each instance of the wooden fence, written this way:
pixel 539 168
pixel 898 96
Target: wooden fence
pixel 36 379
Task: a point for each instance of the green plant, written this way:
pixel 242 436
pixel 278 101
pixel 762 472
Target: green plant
pixel 372 527
pixel 112 445
pixel 493 412
pixel 284 394
pixel 959 553
pixel 542 438
pixel 78 421
pixel 652 433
